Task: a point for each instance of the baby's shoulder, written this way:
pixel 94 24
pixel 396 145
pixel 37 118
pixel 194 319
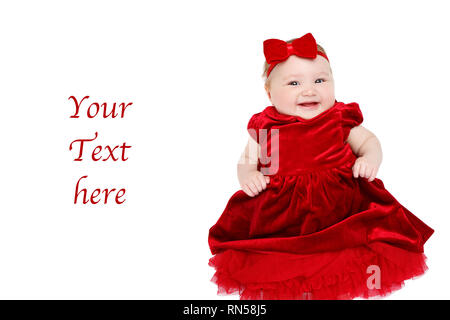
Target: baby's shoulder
pixel 254 121
pixel 253 125
pixel 351 112
pixel 351 117
pixel 261 120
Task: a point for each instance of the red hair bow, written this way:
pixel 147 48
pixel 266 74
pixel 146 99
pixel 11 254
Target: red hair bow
pixel 277 51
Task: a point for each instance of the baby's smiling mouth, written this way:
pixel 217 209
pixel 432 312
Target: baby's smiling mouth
pixel 310 104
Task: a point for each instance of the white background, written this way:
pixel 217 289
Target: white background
pixel 193 72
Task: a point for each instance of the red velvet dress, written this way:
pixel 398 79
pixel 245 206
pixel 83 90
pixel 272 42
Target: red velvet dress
pixel 315 232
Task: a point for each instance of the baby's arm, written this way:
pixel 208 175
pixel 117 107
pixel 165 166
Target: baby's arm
pixel 368 149
pixel 251 180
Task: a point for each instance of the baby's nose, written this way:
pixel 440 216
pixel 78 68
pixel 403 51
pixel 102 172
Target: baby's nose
pixel 308 92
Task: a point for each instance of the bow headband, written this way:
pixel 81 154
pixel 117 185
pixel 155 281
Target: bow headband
pixel 277 51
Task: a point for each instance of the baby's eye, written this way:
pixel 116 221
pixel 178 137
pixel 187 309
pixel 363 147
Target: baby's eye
pixel 292 82
pixel 320 79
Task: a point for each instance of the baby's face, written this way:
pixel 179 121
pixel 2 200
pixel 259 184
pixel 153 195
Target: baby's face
pixel 298 80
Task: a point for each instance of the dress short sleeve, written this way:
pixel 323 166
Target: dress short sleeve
pixel 351 117
pixel 253 126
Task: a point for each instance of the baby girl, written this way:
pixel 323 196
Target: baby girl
pixel 305 88
pixel 315 222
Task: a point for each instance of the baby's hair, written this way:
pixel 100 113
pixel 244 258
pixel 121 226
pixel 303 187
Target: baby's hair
pixel 266 65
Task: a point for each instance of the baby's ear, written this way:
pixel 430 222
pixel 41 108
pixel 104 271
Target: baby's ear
pixel 267 91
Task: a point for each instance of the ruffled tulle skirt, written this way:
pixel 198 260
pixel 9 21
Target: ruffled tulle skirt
pixel 369 271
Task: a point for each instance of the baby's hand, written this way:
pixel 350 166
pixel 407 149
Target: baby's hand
pixel 365 168
pixel 254 183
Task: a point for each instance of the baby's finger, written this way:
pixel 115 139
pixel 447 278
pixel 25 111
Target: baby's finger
pixel 247 190
pixel 374 173
pixel 362 170
pixel 371 176
pixel 252 187
pixel 369 171
pixel 267 179
pixel 257 184
pixel 262 181
pixel 356 170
